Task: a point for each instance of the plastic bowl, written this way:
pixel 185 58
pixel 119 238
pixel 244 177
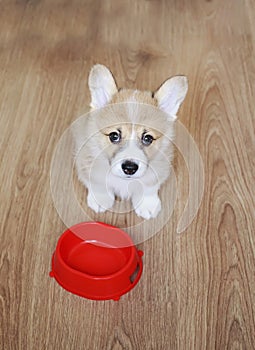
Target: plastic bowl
pixel 96 261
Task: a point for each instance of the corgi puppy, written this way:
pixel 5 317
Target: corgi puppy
pixel 123 147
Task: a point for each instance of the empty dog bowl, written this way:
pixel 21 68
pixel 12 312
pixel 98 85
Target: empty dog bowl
pixel 96 261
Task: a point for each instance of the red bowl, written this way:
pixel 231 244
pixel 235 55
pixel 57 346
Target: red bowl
pixel 96 261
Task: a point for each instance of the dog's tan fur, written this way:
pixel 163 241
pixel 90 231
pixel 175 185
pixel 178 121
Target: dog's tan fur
pixel 128 95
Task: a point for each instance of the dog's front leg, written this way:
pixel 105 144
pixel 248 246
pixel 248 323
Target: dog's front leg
pixel 99 198
pixel 147 205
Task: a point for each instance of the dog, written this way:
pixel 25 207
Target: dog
pixel 123 147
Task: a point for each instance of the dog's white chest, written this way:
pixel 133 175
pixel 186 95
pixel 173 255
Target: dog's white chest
pixel 124 188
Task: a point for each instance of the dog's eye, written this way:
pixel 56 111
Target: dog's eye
pixel 147 139
pixel 115 137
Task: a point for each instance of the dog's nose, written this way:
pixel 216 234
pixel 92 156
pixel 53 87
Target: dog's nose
pixel 129 167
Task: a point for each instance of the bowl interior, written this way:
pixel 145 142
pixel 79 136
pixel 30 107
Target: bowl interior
pixel 95 257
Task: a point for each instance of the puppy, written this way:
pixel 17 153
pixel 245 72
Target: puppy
pixel 124 146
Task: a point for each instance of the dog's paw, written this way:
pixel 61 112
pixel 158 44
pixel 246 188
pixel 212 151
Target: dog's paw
pixel 149 207
pixel 99 202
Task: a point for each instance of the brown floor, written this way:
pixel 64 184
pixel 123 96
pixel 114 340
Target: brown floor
pixel 198 287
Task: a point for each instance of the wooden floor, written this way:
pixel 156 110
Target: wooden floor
pixel 198 287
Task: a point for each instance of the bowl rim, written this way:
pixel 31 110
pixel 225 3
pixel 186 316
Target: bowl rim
pixel 87 275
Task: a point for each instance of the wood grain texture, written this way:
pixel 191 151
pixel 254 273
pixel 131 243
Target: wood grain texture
pixel 198 288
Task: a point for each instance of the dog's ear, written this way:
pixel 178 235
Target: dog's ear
pixel 171 94
pixel 102 86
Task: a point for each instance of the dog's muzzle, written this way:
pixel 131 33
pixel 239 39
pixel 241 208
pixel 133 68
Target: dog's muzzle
pixel 129 167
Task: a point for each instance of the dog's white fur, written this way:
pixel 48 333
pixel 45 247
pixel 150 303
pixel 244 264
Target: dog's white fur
pixel 99 162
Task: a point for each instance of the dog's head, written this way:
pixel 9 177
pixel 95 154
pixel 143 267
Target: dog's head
pixel 134 125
